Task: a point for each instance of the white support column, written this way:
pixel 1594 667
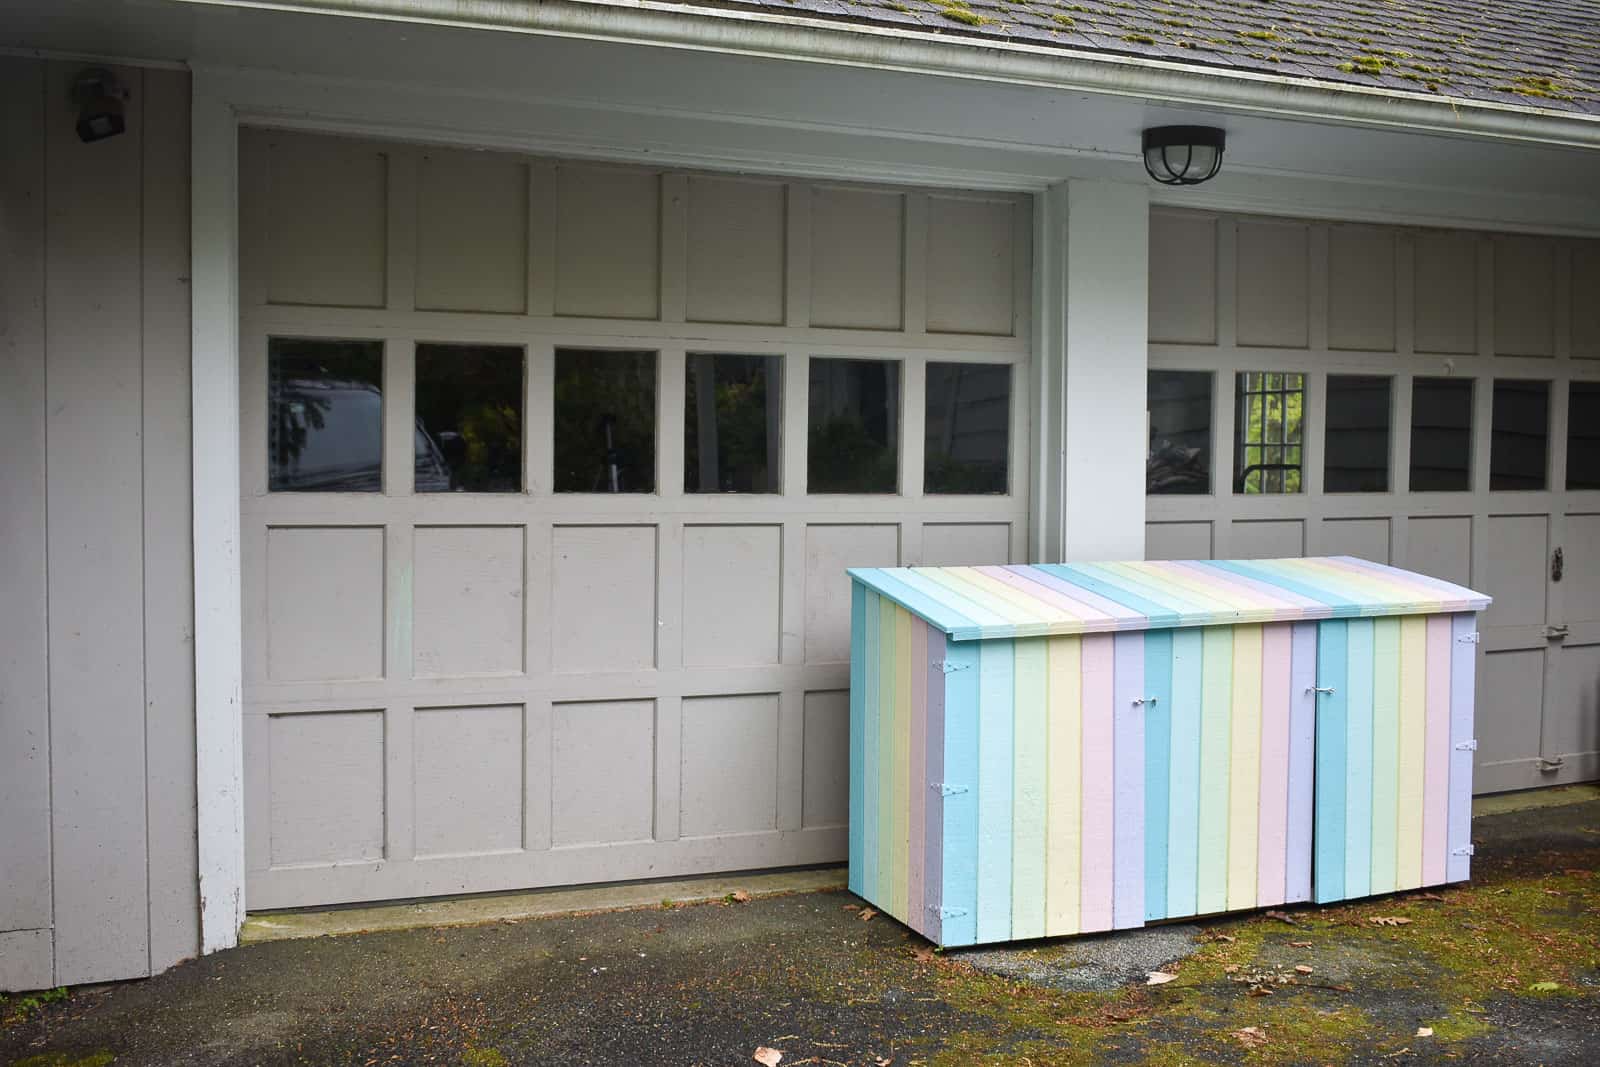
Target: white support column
pixel 219 766
pixel 1092 355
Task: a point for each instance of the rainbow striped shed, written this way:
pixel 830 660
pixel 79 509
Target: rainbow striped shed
pixel 1058 749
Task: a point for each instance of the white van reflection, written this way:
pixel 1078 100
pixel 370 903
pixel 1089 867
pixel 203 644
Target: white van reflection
pixel 327 436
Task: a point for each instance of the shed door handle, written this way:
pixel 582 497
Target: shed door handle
pixel 1324 690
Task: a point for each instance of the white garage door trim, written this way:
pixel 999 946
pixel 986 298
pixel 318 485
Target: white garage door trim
pixel 380 732
pixel 1297 283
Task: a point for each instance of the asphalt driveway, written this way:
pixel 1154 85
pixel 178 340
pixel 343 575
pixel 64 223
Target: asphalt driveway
pixel 1506 970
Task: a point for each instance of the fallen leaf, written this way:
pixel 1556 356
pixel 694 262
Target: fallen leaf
pixel 1389 920
pixel 1158 978
pixel 866 915
pixel 1424 1031
pixel 924 954
pixel 1230 968
pixel 1283 917
pixel 1251 1037
pixel 741 897
pixel 883 1061
pixel 768 1057
pixel 1259 991
pixel 1429 896
pixel 852 907
pixel 1224 937
pixel 1299 944
pixel 1302 968
pixel 1544 987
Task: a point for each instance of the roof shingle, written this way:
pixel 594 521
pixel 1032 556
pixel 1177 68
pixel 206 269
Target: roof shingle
pixel 1539 53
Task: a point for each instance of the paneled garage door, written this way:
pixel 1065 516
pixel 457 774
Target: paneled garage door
pixel 1418 397
pixel 551 474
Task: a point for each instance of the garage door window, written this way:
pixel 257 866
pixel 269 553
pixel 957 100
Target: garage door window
pixel 1441 435
pixel 469 418
pixel 325 416
pixel 968 428
pixel 1356 444
pixel 1268 422
pixel 1583 435
pixel 853 441
pixel 733 413
pixel 1179 409
pixel 1519 447
pixel 605 421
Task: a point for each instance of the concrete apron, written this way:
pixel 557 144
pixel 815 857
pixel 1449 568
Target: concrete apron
pixel 535 904
pixel 548 903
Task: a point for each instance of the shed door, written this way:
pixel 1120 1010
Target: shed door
pixel 1424 398
pixel 551 475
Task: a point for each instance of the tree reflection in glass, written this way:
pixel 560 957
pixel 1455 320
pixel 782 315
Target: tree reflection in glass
pixel 324 416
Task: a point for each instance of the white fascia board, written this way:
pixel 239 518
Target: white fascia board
pixel 790 37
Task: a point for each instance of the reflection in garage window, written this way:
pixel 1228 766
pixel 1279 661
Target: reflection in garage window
pixel 605 421
pixel 732 417
pixel 1268 417
pixel 469 419
pixel 1179 456
pixel 1519 449
pixel 1441 435
pixel 854 437
pixel 968 428
pixel 1583 435
pixel 324 416
pixel 1356 442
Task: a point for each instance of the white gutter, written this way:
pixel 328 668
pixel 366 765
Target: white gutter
pixel 815 40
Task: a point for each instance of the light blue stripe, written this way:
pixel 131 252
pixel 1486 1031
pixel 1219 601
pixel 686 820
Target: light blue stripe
pixel 996 727
pixel 1358 758
pixel 1157 769
pixel 1173 596
pixel 858 730
pixel 1183 835
pixel 959 893
pixel 1333 674
pixel 1155 614
pixel 984 620
pixel 1267 571
pixel 943 610
pixel 871 788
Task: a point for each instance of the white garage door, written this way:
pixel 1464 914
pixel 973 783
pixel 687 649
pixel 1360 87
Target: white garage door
pixel 1418 397
pixel 551 475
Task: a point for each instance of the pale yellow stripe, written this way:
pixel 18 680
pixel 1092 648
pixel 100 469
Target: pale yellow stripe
pixel 1244 768
pixel 1064 786
pixel 902 763
pixel 1191 587
pixel 1413 732
pixel 977 592
pixel 1034 609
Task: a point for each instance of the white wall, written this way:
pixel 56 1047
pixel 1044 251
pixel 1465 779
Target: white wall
pixel 97 782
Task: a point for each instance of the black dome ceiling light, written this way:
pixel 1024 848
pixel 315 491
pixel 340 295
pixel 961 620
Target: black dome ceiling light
pixel 1183 155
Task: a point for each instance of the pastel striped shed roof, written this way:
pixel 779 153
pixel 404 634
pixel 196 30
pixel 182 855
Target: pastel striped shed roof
pixel 969 603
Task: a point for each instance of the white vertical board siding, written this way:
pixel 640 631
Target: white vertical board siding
pixel 551 688
pixel 25 914
pixel 97 767
pixel 1332 298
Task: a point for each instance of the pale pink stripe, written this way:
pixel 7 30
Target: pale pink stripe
pixel 1304 606
pixel 1272 865
pixel 1436 762
pixel 1221 586
pixel 918 800
pixel 1127 618
pixel 1099 667
pixel 1049 596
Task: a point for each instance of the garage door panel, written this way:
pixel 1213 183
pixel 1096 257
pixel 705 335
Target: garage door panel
pixel 1445 292
pixel 1177 540
pixel 1524 295
pixel 472 232
pixel 325 785
pixel 1581 581
pixel 468 788
pixel 857 258
pixel 1512 694
pixel 323 220
pixel 825 787
pixel 324 610
pixel 732 586
pixel 966 544
pixel 1362 538
pixel 736 251
pixel 1586 311
pixel 608 240
pixel 1274 282
pixel 830 550
pixel 1575 725
pixel 729 776
pixel 468 600
pixel 1361 288
pixel 1267 539
pixel 602 771
pixel 1516 569
pixel 1183 278
pixel 1442 547
pixel 603 600
pixel 970 264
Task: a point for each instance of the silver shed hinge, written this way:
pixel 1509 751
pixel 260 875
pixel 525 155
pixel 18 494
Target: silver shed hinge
pixel 1468 746
pixel 947 790
pixel 947 667
pixel 1464 850
pixel 1473 638
pixel 946 913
